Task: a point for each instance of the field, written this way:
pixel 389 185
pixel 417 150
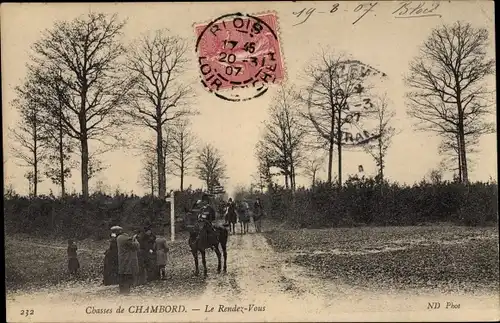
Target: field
pixel 317 273
pixel 445 258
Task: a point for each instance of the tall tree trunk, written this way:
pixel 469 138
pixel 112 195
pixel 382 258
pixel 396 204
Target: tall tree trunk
pixel 292 176
pixel 61 155
pixel 330 160
pixel 35 156
pixel 459 159
pixel 461 135
pixel 182 168
pixel 182 177
pixel 84 142
pixel 463 158
pixel 339 146
pixel 35 175
pixel 331 146
pixel 286 180
pixel 160 162
pixel 152 181
pixel 85 165
pixel 380 160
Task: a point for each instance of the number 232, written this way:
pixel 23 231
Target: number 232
pixel 27 312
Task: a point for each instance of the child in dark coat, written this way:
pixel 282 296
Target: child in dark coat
pixel 161 257
pixel 73 263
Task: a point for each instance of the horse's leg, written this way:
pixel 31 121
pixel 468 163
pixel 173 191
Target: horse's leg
pixel 204 262
pixel 195 255
pixel 223 244
pixel 217 252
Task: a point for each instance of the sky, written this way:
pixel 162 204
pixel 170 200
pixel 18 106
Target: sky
pixel 378 39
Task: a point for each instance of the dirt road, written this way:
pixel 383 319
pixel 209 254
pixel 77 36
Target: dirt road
pixel 260 285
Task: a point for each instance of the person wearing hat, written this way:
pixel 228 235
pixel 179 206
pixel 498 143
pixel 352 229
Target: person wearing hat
pixel 207 211
pixel 110 272
pixel 149 269
pixel 231 216
pixel 128 265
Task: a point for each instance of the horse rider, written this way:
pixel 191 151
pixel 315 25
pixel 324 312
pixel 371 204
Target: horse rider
pixel 257 207
pixel 231 215
pixel 207 212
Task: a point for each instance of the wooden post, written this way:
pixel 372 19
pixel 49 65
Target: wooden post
pixel 172 217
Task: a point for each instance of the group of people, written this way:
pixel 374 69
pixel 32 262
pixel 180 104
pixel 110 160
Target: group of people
pixel 239 212
pixel 133 260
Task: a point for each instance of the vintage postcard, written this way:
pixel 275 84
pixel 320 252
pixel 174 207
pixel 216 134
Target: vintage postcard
pixel 250 161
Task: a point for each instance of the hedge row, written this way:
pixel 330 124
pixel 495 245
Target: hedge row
pixel 72 216
pixel 359 202
pixel 364 201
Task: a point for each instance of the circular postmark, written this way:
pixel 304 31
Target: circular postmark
pixel 239 55
pixel 352 103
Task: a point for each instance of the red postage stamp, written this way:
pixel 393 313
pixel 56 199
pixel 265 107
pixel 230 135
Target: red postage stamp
pixel 239 55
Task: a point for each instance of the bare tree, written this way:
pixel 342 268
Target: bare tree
pixel 448 148
pixel 264 174
pixel 147 150
pixel 29 135
pixel 378 148
pixel 156 63
pixel 436 176
pixel 337 86
pixel 96 165
pixel 182 150
pixel 258 181
pixel 449 95
pixel 312 166
pixel 51 96
pixel 148 176
pixel 84 53
pixel 210 167
pixel 283 137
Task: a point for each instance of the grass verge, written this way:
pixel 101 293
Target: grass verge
pixel 446 258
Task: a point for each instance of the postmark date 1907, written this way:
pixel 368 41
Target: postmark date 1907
pixel 239 51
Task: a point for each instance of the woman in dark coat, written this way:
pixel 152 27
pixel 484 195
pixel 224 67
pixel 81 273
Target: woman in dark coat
pixel 148 254
pixel 111 262
pixel 128 266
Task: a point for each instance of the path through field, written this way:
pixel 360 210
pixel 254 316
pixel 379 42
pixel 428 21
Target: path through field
pixel 260 285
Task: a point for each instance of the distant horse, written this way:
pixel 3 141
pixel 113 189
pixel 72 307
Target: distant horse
pixel 231 218
pixel 202 238
pixel 244 217
pixel 257 220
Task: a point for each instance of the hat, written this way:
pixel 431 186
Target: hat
pixel 116 228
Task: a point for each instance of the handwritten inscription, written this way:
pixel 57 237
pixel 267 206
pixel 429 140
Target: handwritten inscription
pixel 406 9
pixel 417 10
